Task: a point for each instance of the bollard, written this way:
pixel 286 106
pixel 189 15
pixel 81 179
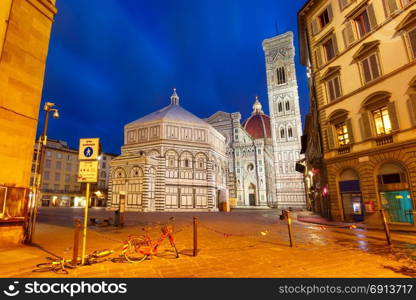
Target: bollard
pixel 122 205
pixel 195 221
pixel 386 226
pixel 289 227
pixel 77 230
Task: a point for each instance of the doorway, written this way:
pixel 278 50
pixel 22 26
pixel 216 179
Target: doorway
pixel 349 186
pixel 252 195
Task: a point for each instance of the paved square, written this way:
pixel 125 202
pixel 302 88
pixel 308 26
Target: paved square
pixel 238 244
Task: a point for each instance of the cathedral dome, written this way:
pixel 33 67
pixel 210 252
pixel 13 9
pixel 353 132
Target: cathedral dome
pixel 258 124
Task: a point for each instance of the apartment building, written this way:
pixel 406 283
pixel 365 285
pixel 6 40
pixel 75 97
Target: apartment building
pixel 60 186
pixel 361 59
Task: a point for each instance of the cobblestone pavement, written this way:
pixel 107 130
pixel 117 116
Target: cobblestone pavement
pixel 237 244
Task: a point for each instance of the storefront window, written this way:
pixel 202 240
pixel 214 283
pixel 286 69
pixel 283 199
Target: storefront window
pixel 395 196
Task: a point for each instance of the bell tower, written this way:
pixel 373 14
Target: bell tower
pixel 285 119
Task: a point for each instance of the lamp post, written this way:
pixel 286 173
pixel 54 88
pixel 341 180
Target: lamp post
pixel 37 178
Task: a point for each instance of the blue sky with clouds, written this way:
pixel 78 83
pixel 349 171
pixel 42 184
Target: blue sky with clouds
pixel 113 61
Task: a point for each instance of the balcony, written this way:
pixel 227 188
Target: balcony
pixel 384 140
pixel 344 149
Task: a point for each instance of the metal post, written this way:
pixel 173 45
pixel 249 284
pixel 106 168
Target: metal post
pixel 84 237
pixel 195 253
pixel 289 227
pixel 38 178
pixel 386 226
pixel 77 229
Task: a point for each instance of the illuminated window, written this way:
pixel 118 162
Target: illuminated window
pixel 382 121
pixel 342 134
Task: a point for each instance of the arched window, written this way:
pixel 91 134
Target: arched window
pixel 280 106
pixel 282 133
pixel 290 132
pixel 186 163
pixel 281 75
pixel 287 106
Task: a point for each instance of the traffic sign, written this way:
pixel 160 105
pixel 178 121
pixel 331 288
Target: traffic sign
pixel 88 171
pixel 89 149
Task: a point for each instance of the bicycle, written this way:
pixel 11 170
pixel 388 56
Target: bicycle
pixel 138 248
pixel 62 265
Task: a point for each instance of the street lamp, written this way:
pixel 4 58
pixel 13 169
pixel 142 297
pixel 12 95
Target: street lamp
pixel 37 178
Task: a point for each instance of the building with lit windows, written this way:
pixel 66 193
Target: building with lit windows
pixel 60 186
pixel 361 59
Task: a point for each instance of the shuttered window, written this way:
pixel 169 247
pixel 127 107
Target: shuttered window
pixel 370 68
pixel 334 88
pixel 390 6
pixel 412 42
pixel 363 24
pixel 330 48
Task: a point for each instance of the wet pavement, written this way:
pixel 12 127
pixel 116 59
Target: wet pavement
pixel 242 243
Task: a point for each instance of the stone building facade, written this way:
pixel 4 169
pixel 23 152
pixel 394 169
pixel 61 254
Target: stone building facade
pixel 251 178
pixel 60 186
pixel 171 160
pixel 285 118
pixel 25 27
pixel 362 62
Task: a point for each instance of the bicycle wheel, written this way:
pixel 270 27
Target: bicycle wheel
pixel 43 267
pixel 130 249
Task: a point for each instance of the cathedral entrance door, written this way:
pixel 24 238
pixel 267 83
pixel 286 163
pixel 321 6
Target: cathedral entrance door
pixel 252 195
pixel 252 199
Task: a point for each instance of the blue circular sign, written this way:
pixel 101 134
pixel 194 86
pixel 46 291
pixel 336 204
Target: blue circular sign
pixel 88 152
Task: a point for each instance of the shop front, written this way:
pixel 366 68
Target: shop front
pixel 395 196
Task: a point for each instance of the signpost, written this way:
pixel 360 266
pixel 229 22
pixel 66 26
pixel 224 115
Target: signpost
pixel 87 173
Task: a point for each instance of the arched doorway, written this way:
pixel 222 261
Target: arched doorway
pixel 394 193
pixel 252 195
pixel 349 186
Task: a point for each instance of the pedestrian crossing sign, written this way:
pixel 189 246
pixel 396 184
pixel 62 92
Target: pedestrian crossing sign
pixel 89 149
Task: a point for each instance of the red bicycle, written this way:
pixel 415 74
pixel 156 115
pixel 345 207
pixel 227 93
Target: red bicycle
pixel 137 248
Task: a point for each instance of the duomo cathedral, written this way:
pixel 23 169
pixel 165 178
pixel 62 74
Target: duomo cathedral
pixel 172 160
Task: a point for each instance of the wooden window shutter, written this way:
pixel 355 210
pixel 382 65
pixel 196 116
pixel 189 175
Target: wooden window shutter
pixel 330 13
pixel 365 125
pixel 412 108
pixel 390 6
pixel 330 136
pixel 314 26
pixel 391 107
pixel 350 131
pixel 343 4
pixel 335 43
pixel 348 34
pixel 371 16
pixel 318 56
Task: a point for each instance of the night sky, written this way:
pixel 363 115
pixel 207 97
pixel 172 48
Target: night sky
pixel 113 61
